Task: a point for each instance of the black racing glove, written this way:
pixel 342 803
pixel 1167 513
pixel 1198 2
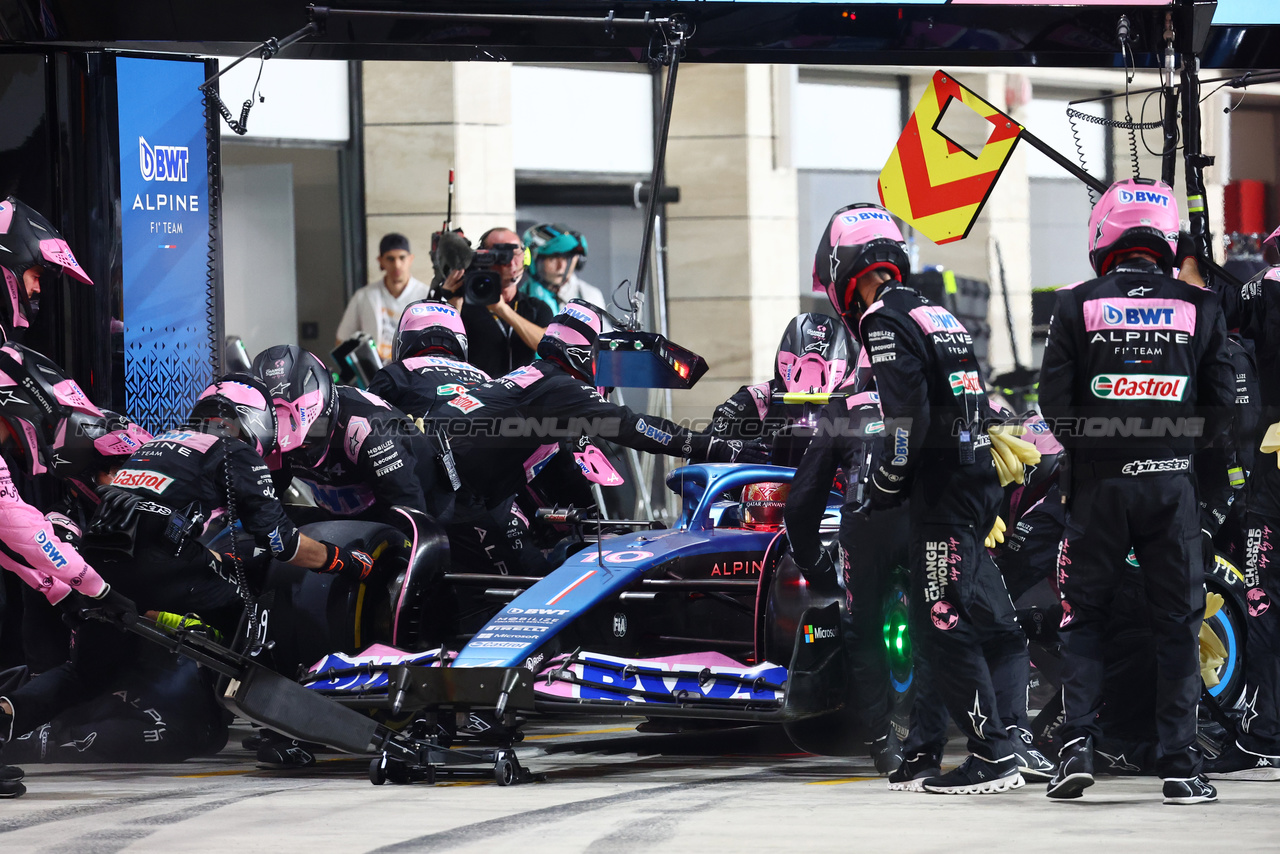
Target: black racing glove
pixel 703 448
pixel 880 497
pixel 348 563
pixel 824 568
pixel 118 510
pixel 114 607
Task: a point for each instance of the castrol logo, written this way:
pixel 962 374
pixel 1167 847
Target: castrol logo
pixel 149 480
pixel 1139 386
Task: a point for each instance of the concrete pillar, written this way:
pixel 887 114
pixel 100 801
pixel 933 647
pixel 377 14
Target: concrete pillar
pixel 422 119
pixel 734 235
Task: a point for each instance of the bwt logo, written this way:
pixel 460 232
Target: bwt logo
pixel 50 550
pixel 863 216
pixel 162 162
pixel 1128 197
pixel 1113 316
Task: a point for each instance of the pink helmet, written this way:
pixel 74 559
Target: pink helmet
pixel 428 325
pixel 1135 214
pixel 858 238
pixel 814 354
pixel 56 429
pixel 241 401
pixel 28 240
pixel 570 338
pixel 1271 247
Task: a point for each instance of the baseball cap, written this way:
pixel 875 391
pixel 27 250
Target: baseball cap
pixel 393 241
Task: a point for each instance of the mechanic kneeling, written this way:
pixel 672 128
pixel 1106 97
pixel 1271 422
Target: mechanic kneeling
pixel 143 540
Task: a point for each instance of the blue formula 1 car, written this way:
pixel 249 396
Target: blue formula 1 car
pixel 706 620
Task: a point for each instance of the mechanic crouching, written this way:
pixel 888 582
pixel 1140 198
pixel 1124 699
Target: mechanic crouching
pixel 358 454
pixel 143 539
pixel 430 367
pixel 935 453
pixel 1140 345
pixel 513 424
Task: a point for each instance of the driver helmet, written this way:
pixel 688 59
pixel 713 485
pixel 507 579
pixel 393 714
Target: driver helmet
pixel 548 240
pixel 237 406
pixel 814 355
pixel 56 429
pixel 28 240
pixel 428 326
pixel 857 239
pixel 305 399
pixel 763 505
pixel 571 337
pixel 1135 214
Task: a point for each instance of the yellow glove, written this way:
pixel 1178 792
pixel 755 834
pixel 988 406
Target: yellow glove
pixel 417 422
pixel 1012 454
pixel 996 535
pixel 1212 652
pixel 1271 441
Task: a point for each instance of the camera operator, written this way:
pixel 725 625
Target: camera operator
pixel 504 334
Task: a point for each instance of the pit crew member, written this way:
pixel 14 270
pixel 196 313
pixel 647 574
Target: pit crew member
pixel 1137 344
pixel 359 455
pixel 935 454
pixel 1255 753
pixel 816 354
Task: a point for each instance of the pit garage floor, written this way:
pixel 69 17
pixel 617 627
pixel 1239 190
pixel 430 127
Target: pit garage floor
pixel 607 789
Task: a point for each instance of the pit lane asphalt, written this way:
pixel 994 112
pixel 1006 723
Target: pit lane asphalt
pixel 606 789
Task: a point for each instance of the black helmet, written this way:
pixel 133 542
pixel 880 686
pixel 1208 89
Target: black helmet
pixel 27 239
pixel 570 338
pixel 56 430
pixel 305 399
pixel 237 406
pixel 816 354
pixel 429 325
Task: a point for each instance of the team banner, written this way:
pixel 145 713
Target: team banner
pixel 164 206
pixel 938 183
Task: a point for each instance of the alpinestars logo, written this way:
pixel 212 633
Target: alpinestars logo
pixel 162 162
pixel 1139 386
pixel 1138 467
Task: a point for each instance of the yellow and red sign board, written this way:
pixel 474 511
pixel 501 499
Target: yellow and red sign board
pixel 933 183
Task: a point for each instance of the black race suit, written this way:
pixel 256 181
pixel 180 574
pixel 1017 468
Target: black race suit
pixel 421 385
pixel 1260 725
pixel 1135 378
pixel 869 551
pixel 176 474
pixel 377 458
pixel 935 453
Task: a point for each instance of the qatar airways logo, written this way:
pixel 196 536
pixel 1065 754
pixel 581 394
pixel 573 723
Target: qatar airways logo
pixel 1139 386
pixel 162 162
